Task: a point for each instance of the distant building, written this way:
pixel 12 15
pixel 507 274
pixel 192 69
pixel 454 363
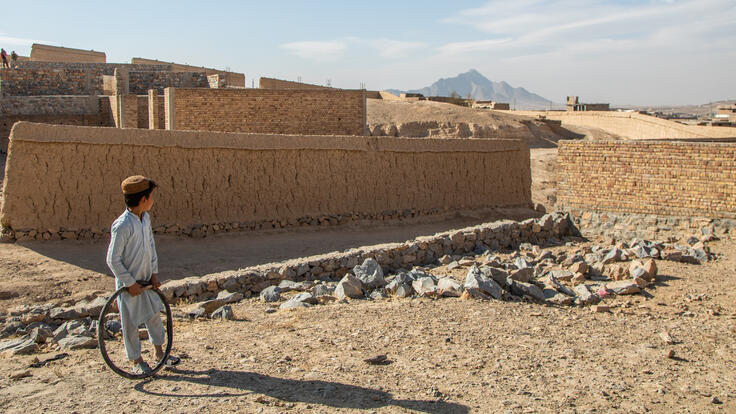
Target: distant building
pixel 491 105
pixel 726 113
pixel 574 105
pixel 411 96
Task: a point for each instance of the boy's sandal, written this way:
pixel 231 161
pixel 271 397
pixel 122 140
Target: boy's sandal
pixel 142 368
pixel 172 361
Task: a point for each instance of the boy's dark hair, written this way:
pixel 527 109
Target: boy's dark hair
pixel 132 200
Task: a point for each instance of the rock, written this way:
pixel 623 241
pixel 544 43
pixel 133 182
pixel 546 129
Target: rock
pixel 617 272
pixel 446 259
pixel 453 266
pixel 579 267
pixel 448 286
pixel 322 290
pixel 600 308
pixel 349 287
pixel 370 274
pixel 377 295
pixel 77 342
pixel 209 306
pixel 522 263
pixel 64 314
pixel 271 294
pixel 20 346
pixel 527 289
pixel 476 282
pixel 555 284
pixel 584 296
pixel 623 287
pixel 10 328
pixel 497 275
pixel 113 326
pixel 614 255
pixel 94 307
pixel 553 296
pixel 522 275
pixel 671 254
pixel 71 328
pixel 294 305
pixel 40 334
pixel 29 318
pixel 425 286
pixel 23 373
pixel 404 291
pixel 225 313
pixel 577 279
pixel 229 297
pixel 290 285
pixel 196 312
pixel 474 294
pixel 564 275
pixel 306 297
pixel 466 262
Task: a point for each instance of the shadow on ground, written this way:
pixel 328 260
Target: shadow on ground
pixel 181 257
pixel 331 394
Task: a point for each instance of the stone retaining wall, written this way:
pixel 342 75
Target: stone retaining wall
pixel 391 257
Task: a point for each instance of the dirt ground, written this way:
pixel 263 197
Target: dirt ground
pixel 444 356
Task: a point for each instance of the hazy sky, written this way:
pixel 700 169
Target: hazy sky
pixel 646 52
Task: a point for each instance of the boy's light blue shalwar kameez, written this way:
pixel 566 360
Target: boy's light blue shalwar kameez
pixel 132 257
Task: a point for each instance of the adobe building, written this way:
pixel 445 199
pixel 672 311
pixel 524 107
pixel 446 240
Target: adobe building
pixel 499 106
pixel 726 115
pixel 574 105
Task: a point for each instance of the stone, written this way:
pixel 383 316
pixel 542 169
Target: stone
pixel 20 346
pixel 370 274
pixel 614 255
pixel 271 294
pixel 555 284
pixel 71 328
pixel 64 314
pixel 448 286
pixel 29 318
pixel 77 342
pixel 322 290
pixel 557 298
pixel 10 328
pixel 527 289
pixel 579 267
pixel 475 281
pixel 522 275
pixel 497 275
pixel 404 290
pixel 224 313
pixel 671 254
pixel 522 263
pixel 453 266
pixel 425 286
pixel 600 308
pixel 584 295
pixel 40 334
pixel 23 373
pixel 564 275
pixel 290 285
pixel 377 295
pixel 349 287
pixel 623 287
pixel 209 306
pixel 446 259
pixel 306 297
pixel 229 297
pixel 94 307
pixel 294 305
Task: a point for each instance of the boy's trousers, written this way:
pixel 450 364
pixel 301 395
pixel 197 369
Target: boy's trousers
pixel 155 329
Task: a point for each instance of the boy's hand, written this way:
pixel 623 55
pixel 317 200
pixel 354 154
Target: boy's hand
pixel 154 281
pixel 135 289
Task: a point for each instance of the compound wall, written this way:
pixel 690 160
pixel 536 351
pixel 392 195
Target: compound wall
pixel 67 179
pixel 270 111
pixel 651 177
pixel 634 125
pixel 46 53
pixel 231 78
pixel 270 83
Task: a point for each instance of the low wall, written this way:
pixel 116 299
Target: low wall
pixel 649 177
pixel 634 125
pixel 66 179
pixel 316 112
pixel 49 53
pixel 391 256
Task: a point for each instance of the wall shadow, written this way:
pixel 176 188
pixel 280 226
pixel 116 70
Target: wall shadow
pixel 331 394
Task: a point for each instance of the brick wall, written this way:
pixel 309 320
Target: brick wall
pixel 27 82
pixel 231 78
pixel 656 177
pixel 315 112
pixel 141 82
pixel 68 178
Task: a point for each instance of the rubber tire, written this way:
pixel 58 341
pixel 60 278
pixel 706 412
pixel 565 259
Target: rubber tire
pixel 103 349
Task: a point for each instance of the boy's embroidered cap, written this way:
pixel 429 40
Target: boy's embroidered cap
pixel 135 184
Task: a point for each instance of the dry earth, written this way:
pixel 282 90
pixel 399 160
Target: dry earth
pixel 444 356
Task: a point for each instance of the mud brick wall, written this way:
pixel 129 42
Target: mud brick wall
pixel 650 177
pixel 271 83
pixel 62 179
pixel 141 82
pixel 315 112
pixel 49 53
pixel 27 82
pixel 231 78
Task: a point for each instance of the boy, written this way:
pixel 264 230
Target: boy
pixel 132 258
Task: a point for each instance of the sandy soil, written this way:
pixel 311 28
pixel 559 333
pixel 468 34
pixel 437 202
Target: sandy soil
pixel 444 356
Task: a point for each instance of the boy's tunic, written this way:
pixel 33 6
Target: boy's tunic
pixel 132 257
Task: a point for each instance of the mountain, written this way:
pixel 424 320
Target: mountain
pixel 481 88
